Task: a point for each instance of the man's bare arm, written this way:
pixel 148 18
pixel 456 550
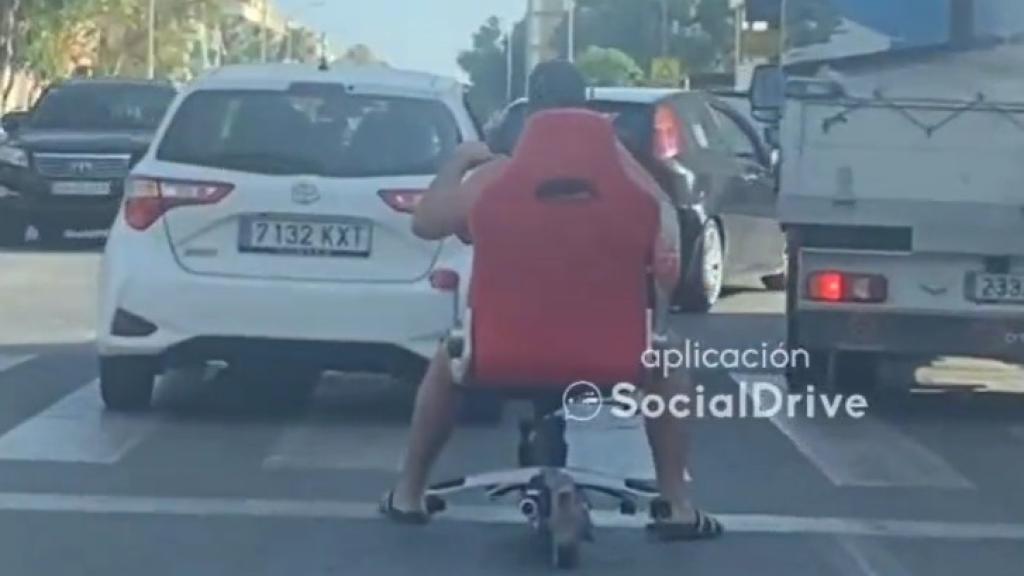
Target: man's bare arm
pixel 446 204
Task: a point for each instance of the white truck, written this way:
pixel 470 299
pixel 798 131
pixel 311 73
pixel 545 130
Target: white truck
pixel 901 189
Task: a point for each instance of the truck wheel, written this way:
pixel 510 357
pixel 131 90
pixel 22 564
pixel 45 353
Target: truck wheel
pixel 127 383
pixel 702 286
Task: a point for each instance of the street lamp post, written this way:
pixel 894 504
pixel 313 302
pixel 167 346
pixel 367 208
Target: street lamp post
pixel 264 31
pixel 664 28
pixel 571 30
pixel 151 27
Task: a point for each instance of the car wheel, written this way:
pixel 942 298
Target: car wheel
pixel 702 285
pixel 12 231
pixel 127 383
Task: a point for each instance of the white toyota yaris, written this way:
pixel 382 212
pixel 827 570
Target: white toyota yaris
pixel 268 227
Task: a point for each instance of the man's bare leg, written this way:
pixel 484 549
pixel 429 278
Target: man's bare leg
pixel 434 416
pixel 669 440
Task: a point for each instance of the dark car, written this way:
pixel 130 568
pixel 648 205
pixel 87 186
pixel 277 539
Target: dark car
pixel 64 162
pixel 718 170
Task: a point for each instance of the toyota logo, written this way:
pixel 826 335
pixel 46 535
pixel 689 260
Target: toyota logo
pixel 81 167
pixel 305 193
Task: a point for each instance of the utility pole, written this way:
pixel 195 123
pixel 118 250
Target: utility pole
pixel 664 28
pixel 509 62
pixel 265 32
pixel 151 27
pixel 571 30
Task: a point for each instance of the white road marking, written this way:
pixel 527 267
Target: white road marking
pixel 865 452
pixel 8 361
pixel 76 430
pixel 341 510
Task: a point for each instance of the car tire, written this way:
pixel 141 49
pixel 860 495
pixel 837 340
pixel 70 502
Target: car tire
pixel 12 231
pixel 127 383
pixel 701 286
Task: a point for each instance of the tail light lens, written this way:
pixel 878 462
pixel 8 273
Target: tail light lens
pixel 832 286
pixel 147 199
pixel 404 201
pixel 444 280
pixel 669 141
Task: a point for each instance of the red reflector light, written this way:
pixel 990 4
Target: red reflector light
pixel 147 199
pixel 444 280
pixel 404 201
pixel 834 286
pixel 668 134
pixel 827 286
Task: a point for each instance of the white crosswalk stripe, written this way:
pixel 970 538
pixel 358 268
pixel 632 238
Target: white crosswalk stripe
pixel 862 452
pixel 76 429
pixel 8 361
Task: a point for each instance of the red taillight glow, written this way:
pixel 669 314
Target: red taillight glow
pixel 834 286
pixel 668 134
pixel 404 201
pixel 147 199
pixel 444 280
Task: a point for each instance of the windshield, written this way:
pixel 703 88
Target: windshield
pixel 102 107
pixel 343 135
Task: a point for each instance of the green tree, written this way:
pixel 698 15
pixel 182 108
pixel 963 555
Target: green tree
pixel 487 68
pixel 609 67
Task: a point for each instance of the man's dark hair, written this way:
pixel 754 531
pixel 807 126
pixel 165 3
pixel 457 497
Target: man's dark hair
pixel 556 84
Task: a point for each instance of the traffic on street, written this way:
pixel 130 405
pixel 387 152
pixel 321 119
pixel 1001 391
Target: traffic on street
pixel 536 301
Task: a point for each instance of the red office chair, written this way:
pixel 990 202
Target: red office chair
pixel 560 293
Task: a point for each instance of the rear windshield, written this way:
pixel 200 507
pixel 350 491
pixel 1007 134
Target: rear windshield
pixel 322 131
pixel 102 107
pixel 632 123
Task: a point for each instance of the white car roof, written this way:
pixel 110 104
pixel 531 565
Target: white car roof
pixel 280 76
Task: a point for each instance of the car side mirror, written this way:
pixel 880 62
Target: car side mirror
pixel 13 121
pixel 767 93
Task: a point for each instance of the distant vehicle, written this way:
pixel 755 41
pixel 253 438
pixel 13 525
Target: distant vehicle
pixel 63 163
pixel 901 197
pixel 269 227
pixel 714 163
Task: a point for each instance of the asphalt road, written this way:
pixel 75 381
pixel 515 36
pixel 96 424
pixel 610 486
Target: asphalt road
pixel 204 485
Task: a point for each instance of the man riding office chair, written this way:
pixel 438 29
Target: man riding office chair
pixel 568 234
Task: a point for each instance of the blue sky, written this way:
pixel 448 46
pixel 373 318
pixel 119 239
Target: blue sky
pixel 417 34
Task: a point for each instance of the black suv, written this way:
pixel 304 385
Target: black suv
pixel 710 158
pixel 64 162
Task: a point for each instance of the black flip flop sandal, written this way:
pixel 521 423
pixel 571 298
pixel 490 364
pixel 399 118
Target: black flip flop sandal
pixel 432 505
pixel 704 527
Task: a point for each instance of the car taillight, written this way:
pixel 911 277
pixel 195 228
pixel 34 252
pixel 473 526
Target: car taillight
pixel 147 199
pixel 444 280
pixel 668 134
pixel 832 286
pixel 404 201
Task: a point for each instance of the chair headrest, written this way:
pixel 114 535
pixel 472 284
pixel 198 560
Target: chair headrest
pixel 568 141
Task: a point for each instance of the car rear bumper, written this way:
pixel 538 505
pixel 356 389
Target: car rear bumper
pixel 203 317
pixel 913 334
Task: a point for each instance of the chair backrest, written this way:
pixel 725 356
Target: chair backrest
pixel 562 247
